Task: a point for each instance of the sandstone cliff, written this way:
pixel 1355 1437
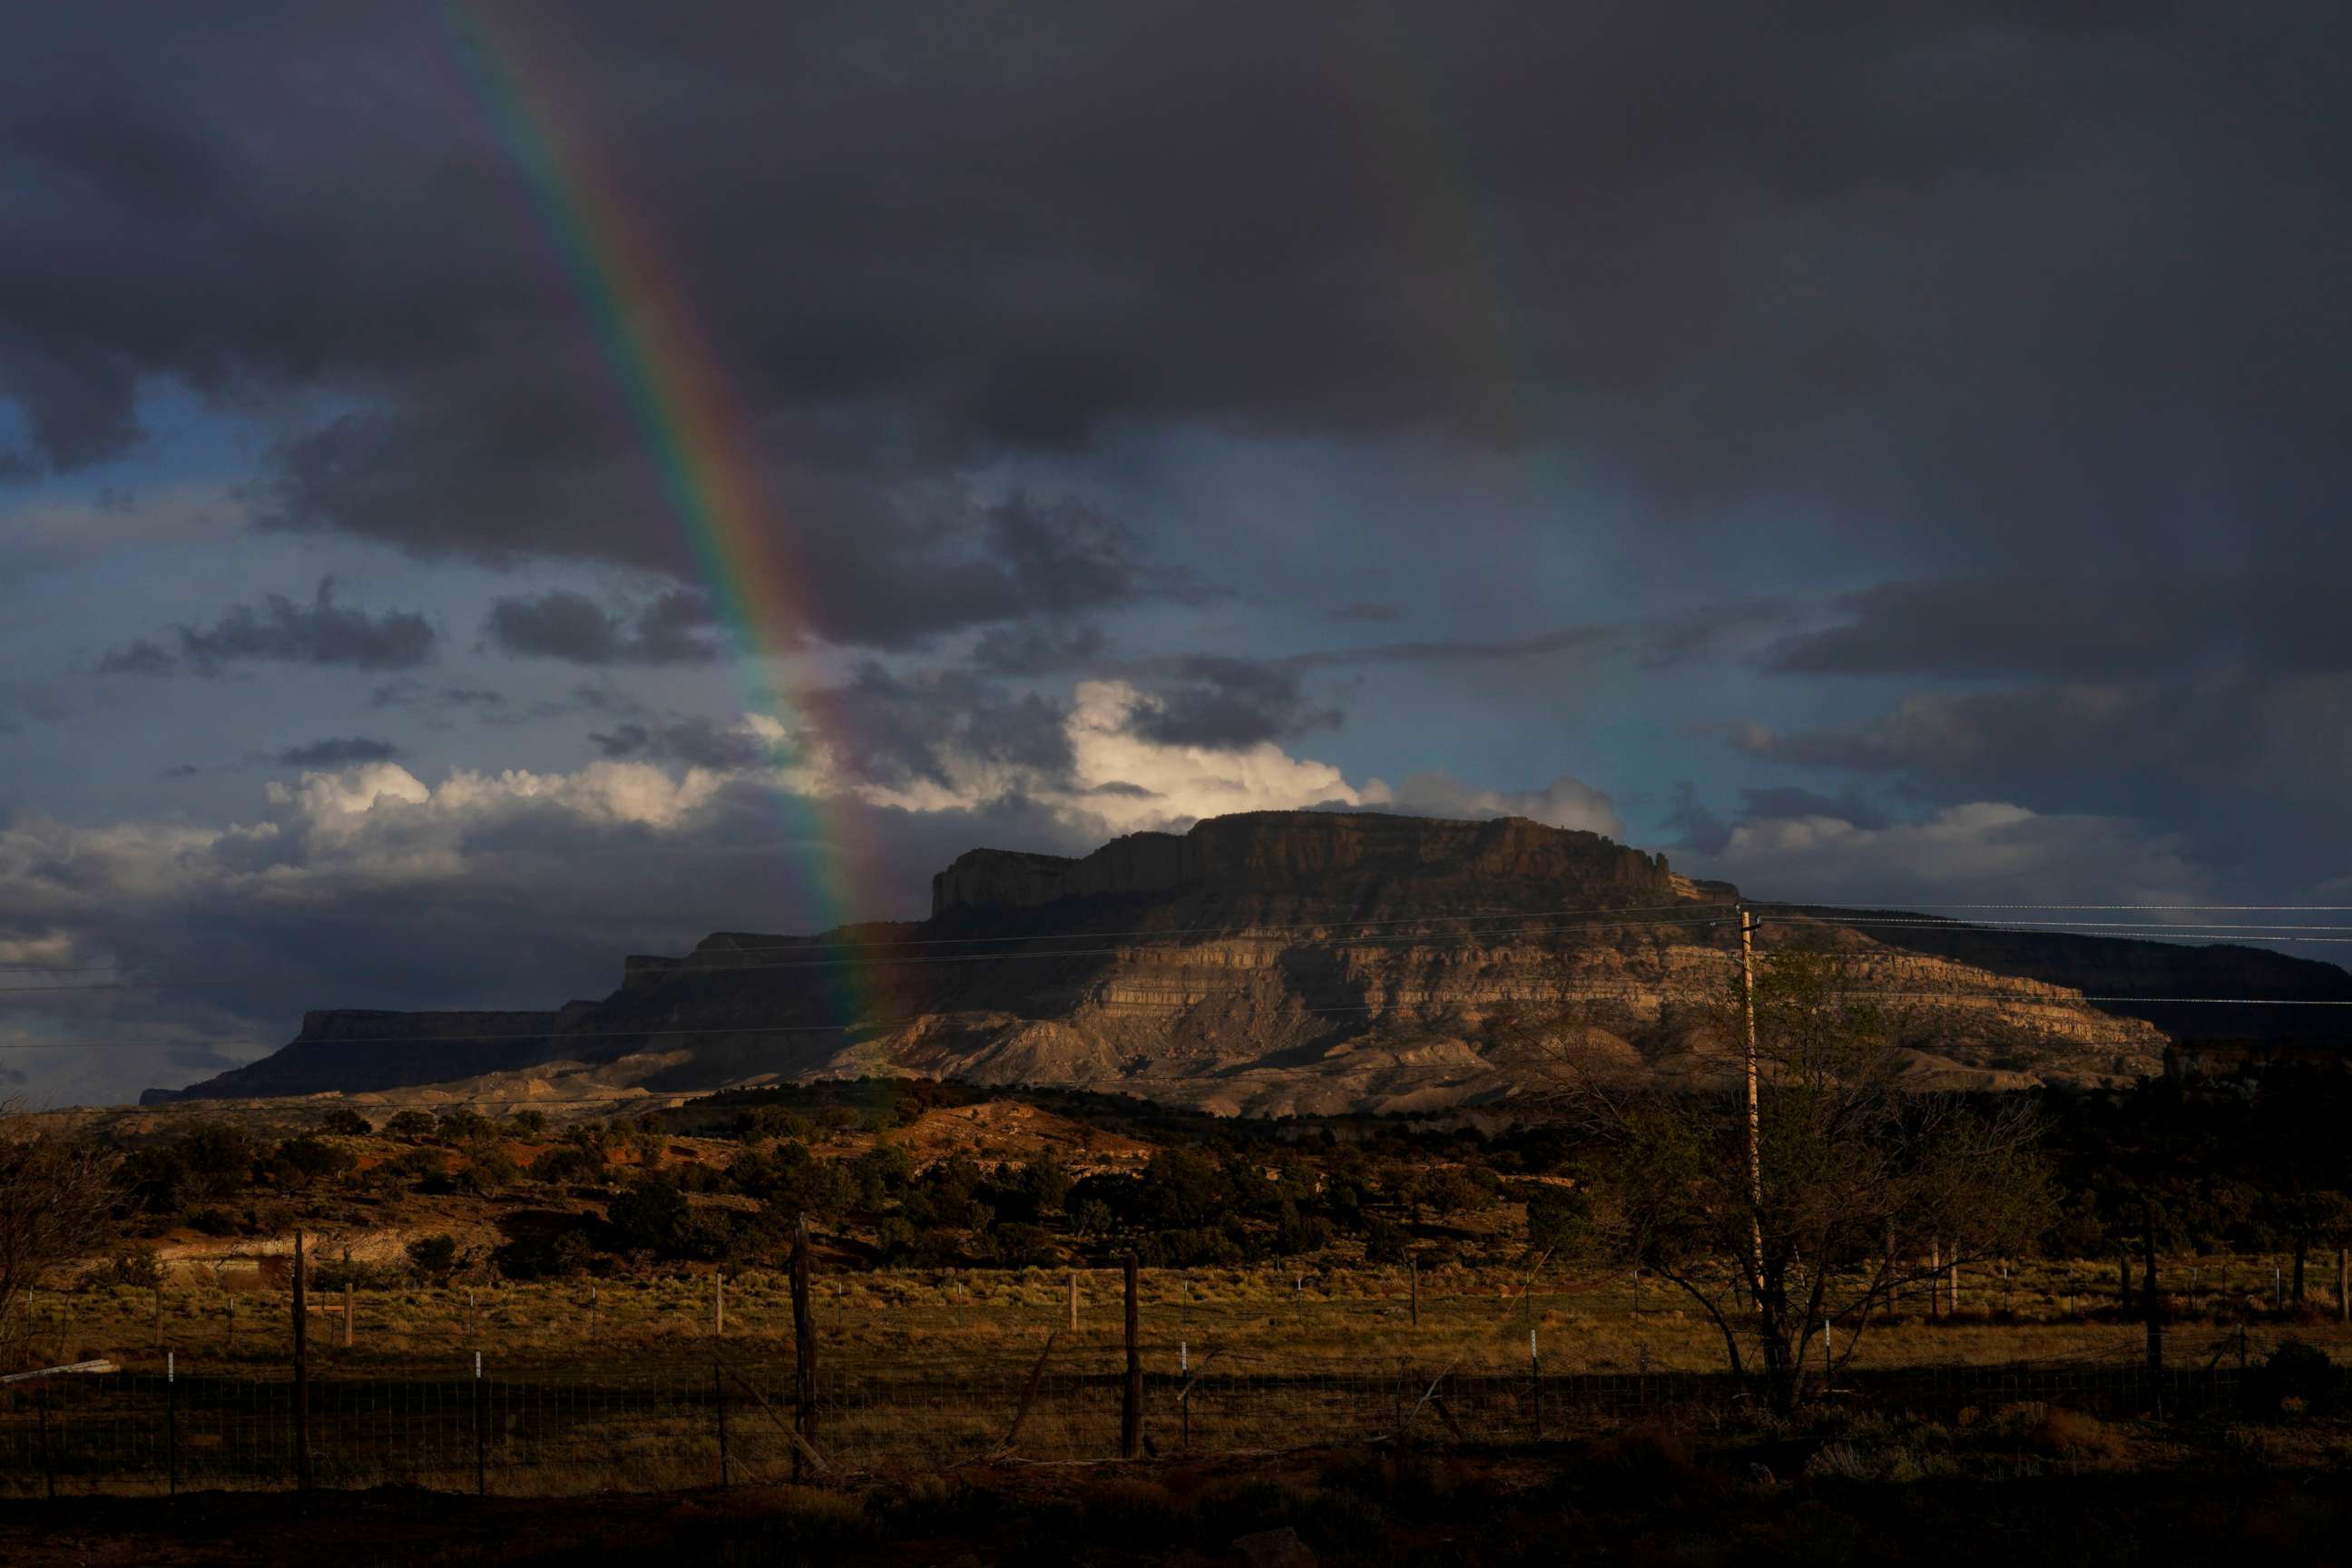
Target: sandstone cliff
pixel 1291 962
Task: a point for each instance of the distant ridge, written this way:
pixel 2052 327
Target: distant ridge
pixel 1295 962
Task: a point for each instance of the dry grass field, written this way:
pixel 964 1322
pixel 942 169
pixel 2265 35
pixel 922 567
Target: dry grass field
pixel 1268 1317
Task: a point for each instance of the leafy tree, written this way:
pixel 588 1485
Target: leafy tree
pixel 459 1123
pixel 410 1124
pixel 1450 1190
pixel 880 1173
pixel 342 1120
pixel 489 1170
pixel 565 1162
pixel 298 1162
pixel 219 1159
pixel 155 1179
pixel 1180 1189
pixel 649 1215
pixel 530 1123
pixel 1859 1180
pixel 54 1200
pixel 434 1257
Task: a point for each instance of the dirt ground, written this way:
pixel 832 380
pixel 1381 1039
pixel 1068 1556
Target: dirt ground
pixel 1645 1499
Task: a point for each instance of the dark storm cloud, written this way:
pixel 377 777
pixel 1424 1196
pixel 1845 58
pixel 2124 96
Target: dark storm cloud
pixel 321 632
pixel 407 691
pixel 337 751
pixel 2127 622
pixel 1972 273
pixel 141 656
pixel 1226 704
pixel 1653 644
pixel 1038 649
pixel 674 629
pixel 894 729
pixel 693 740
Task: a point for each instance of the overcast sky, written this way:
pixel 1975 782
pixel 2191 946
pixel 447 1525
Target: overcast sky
pixel 1866 452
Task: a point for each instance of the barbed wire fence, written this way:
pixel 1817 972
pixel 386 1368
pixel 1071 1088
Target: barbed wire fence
pixel 738 1420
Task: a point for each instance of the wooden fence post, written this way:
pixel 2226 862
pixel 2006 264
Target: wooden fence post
pixel 1412 1268
pixel 804 1346
pixel 351 1313
pixel 301 1374
pixel 719 1303
pixel 1130 1405
pixel 171 1424
pixel 1074 1301
pixel 592 1312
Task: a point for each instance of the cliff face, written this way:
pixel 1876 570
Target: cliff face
pixel 1328 855
pixel 1287 961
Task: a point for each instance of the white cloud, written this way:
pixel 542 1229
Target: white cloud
pixel 1128 783
pixel 372 887
pixel 1564 803
pixel 1116 781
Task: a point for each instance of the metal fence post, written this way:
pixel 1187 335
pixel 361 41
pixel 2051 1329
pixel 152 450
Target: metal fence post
pixel 48 1465
pixel 301 1374
pixel 719 1404
pixel 1130 1406
pixel 481 1437
pixel 804 1347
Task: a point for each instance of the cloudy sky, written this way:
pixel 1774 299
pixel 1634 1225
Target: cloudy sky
pixel 487 488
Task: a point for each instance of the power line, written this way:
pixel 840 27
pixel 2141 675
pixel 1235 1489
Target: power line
pixel 1898 904
pixel 689 966
pixel 1194 999
pixel 2152 932
pixel 799 944
pixel 2121 930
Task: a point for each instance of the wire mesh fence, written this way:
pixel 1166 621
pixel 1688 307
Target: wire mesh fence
pixel 733 1420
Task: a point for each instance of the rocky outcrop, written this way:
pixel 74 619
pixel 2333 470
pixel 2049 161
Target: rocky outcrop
pixel 1328 855
pixel 361 1050
pixel 1275 963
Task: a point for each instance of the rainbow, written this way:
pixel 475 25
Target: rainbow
pixel 678 401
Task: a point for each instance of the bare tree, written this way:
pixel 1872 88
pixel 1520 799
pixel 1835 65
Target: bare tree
pixel 1863 1188
pixel 55 1194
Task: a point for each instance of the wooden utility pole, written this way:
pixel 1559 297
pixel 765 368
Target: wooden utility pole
pixel 803 1348
pixel 1755 1109
pixel 301 1374
pixel 1130 1405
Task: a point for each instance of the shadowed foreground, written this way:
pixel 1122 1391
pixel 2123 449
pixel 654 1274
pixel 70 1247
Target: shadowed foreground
pixel 2029 1491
